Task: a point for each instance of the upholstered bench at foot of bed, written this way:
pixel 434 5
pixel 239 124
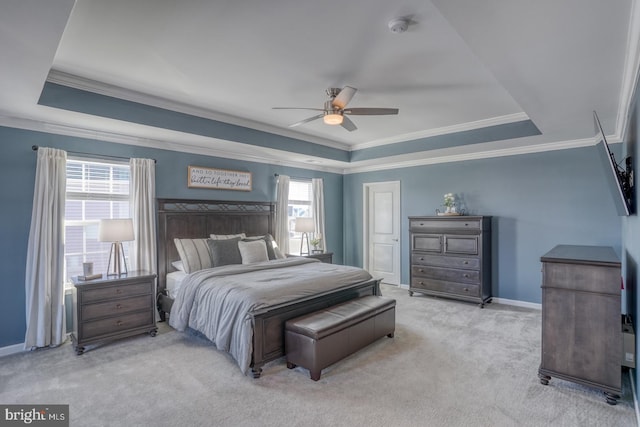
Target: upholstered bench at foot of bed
pixel 317 340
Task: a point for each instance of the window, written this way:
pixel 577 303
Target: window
pixel 96 189
pixel 300 197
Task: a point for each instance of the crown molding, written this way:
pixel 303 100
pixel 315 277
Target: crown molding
pixel 183 147
pixel 478 124
pixel 442 156
pixel 275 157
pixel 101 88
pixel 630 73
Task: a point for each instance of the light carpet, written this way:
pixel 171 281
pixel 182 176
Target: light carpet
pixel 449 364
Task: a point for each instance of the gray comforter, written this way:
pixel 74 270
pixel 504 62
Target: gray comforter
pixel 218 302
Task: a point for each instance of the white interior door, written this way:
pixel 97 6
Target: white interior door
pixel 382 230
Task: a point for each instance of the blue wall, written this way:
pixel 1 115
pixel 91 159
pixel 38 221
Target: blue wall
pixel 631 232
pixel 537 201
pixel 17 175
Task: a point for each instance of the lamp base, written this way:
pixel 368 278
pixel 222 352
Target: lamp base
pixel 304 234
pixel 117 255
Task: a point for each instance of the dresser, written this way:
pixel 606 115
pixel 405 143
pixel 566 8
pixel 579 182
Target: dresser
pixel 113 307
pixel 581 321
pixel 451 257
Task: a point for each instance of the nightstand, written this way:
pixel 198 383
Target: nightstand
pixel 113 307
pixel 322 256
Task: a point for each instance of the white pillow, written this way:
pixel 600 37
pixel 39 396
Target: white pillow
pixel 194 254
pixel 178 265
pixel 226 236
pixel 253 251
pixel 278 252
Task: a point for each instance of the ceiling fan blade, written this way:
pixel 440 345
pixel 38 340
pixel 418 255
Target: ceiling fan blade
pixel 310 119
pixel 370 111
pixel 343 98
pixel 348 124
pixel 297 108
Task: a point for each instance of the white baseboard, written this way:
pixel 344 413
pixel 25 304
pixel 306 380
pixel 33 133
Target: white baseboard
pixel 504 301
pixel 517 303
pixel 11 349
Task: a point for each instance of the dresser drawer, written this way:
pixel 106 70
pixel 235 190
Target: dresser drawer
pixel 420 283
pixel 428 225
pixel 113 325
pixel 466 245
pixel 450 274
pixel 116 306
pixel 426 243
pixel 445 261
pixel 109 292
pixel 585 278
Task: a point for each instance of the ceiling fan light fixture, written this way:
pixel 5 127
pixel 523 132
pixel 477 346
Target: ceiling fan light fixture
pixel 333 119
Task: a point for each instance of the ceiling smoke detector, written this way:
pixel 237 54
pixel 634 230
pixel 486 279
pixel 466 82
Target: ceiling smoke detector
pixel 398 25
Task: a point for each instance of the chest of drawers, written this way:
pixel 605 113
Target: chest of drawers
pixel 451 257
pixel 581 324
pixel 113 307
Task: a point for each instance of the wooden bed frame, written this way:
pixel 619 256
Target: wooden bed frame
pixel 198 219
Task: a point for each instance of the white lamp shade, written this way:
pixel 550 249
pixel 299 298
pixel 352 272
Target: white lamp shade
pixel 116 230
pixel 305 225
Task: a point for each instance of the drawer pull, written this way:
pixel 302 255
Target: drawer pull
pixel 119 323
pixel 118 306
pixel 422 223
pixel 465 275
pixel 466 262
pixel 466 289
pixel 421 270
pixel 118 291
pixel 421 259
pixel 466 225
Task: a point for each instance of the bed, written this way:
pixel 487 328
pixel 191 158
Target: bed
pixel 194 219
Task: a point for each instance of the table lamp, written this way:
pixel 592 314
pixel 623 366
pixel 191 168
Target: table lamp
pixel 116 231
pixel 305 225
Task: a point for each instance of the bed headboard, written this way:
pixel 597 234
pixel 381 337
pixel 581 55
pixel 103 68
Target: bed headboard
pixel 190 219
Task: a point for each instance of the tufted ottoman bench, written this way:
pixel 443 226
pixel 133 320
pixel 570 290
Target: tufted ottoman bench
pixel 317 340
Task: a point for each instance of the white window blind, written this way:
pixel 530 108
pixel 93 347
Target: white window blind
pixel 96 189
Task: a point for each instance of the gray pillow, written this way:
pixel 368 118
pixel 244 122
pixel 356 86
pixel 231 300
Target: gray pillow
pixel 224 252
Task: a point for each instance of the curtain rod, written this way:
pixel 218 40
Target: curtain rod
pixel 98 156
pixel 294 177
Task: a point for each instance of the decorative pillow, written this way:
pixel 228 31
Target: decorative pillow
pixel 178 265
pixel 224 251
pixel 194 254
pixel 278 252
pixel 253 251
pixel 227 236
pixel 269 243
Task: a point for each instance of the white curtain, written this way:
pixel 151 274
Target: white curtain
pixel 44 278
pixel 317 190
pixel 142 195
pixel 282 216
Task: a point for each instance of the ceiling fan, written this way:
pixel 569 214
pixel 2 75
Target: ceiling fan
pixel 335 111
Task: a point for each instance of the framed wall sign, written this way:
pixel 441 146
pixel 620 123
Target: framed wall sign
pixel 220 179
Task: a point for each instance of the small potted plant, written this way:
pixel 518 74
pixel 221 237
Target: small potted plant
pixel 450 203
pixel 316 242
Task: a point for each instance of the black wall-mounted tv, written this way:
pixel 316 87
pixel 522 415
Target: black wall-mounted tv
pixel 619 180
